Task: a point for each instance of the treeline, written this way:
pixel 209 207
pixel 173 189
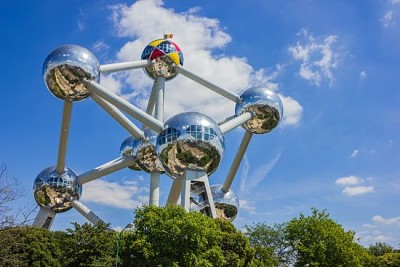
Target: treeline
pixel 172 237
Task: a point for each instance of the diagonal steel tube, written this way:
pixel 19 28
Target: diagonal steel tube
pixel 107 168
pixel 119 117
pixel 236 162
pixel 125 106
pixel 225 93
pixel 235 122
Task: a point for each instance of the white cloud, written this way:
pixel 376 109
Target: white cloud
pixel 363 75
pixel 202 41
pixel 247 206
pixel 357 190
pixel 112 84
pixel 349 180
pixel 354 153
pixel 380 219
pixel 126 196
pixel 258 175
pixel 388 19
pixel 292 111
pixel 100 45
pixel 317 57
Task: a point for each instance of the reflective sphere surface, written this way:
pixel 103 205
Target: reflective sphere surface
pixel 164 55
pixel 190 141
pixel 266 107
pixel 126 150
pixel 55 190
pixel 226 204
pixel 144 151
pixel 65 69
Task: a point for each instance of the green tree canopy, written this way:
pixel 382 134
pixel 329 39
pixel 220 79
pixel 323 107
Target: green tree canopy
pixel 171 236
pixel 320 241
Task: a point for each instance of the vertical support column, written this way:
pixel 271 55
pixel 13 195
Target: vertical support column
pixel 44 219
pixel 175 191
pixel 159 115
pixel 196 176
pixel 62 145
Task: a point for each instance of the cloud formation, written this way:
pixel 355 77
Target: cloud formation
pixel 202 41
pixel 129 195
pixel 352 185
pixel 380 219
pixel 349 180
pixel 318 57
pixel 357 190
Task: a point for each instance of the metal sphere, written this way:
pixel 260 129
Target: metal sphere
pixel 266 107
pixel 126 150
pixel 65 69
pixel 164 55
pixel 144 152
pixel 56 190
pixel 226 204
pixel 190 141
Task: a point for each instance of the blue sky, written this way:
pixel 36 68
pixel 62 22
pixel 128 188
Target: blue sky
pixel 335 65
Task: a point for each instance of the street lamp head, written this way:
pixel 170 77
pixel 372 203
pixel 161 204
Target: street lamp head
pixel 266 107
pixel 65 70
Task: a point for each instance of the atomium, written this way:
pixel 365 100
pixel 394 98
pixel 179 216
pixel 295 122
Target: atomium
pixel 56 190
pixel 188 147
pixel 65 69
pixel 190 141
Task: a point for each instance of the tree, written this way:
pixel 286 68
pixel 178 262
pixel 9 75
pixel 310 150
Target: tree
pixel 320 241
pixel 29 246
pixel 89 246
pixel 10 191
pixel 270 243
pixel 171 236
pixel 380 248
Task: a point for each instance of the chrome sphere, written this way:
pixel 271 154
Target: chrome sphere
pixel 65 69
pixel 190 141
pixel 145 154
pixel 164 55
pixel 126 150
pixel 56 190
pixel 266 107
pixel 226 204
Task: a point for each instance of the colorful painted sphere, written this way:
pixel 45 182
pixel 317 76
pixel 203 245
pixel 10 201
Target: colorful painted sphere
pixel 164 56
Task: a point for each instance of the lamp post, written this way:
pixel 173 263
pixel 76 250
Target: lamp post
pixel 128 226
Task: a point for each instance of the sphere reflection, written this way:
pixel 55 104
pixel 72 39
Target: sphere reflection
pixel 266 107
pixel 56 190
pixel 145 154
pixel 226 204
pixel 126 150
pixel 164 55
pixel 65 69
pixel 190 141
